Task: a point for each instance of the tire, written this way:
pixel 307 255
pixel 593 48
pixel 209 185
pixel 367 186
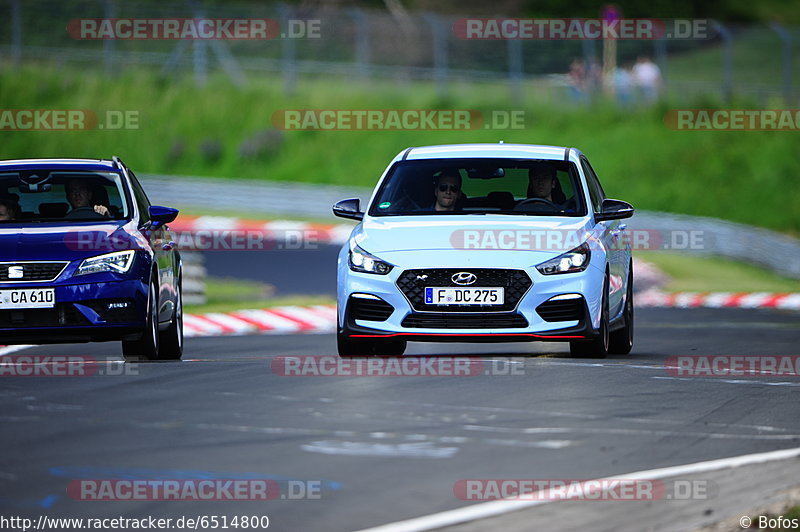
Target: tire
pixel 598 347
pixel 146 347
pixel 621 340
pixel 171 347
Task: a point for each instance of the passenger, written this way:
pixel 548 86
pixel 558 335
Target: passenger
pixel 447 189
pixel 79 195
pixel 9 209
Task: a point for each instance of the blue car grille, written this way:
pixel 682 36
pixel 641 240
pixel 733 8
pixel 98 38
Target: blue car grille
pixel 413 282
pixel 63 314
pixel 31 271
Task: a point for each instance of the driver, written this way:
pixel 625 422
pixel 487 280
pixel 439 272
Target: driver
pixel 447 189
pixel 542 181
pixel 79 195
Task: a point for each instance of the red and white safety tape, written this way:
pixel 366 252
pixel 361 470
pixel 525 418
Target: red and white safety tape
pixel 656 298
pixel 273 230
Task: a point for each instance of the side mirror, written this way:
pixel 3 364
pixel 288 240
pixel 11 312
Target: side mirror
pixel 349 208
pixel 161 215
pixel 614 210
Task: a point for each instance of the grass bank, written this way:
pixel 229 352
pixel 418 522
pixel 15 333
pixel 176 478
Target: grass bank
pixel 223 131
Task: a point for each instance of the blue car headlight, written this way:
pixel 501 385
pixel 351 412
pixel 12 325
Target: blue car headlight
pixel 361 261
pixel 572 261
pixel 117 262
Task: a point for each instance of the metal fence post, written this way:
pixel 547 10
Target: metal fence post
pixel 786 37
pixel 288 52
pixel 362 41
pixel 16 32
pixel 439 53
pixel 108 44
pixel 661 56
pixel 727 61
pixel 515 69
pixel 200 55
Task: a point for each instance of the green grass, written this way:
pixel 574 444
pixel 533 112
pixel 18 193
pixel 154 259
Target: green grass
pixel 756 59
pixel 749 177
pixel 227 295
pixel 701 274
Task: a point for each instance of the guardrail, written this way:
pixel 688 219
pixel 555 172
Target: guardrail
pixel 775 251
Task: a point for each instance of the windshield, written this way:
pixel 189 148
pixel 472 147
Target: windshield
pixel 64 196
pixel 480 186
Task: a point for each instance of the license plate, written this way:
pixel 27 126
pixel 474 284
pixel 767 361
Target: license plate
pixel 435 295
pixel 28 298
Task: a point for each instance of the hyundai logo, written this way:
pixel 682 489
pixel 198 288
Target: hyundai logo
pixel 464 278
pixel 15 272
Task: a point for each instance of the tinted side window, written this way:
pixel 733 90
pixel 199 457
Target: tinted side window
pixel 140 197
pixel 595 190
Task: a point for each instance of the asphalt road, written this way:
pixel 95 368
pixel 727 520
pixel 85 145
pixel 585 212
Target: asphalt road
pixel 383 449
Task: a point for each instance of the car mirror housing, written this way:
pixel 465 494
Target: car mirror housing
pixel 161 215
pixel 349 208
pixel 614 210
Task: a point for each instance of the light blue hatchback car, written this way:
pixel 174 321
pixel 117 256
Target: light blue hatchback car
pixel 486 243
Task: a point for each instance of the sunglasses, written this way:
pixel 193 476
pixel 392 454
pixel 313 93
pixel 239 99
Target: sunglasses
pixel 444 186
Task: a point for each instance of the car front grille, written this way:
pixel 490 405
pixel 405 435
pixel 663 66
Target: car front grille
pixel 31 271
pixel 413 282
pixel 63 314
pixel 445 320
pixel 561 310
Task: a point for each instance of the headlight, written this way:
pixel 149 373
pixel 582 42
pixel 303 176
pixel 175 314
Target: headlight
pixel 361 261
pixel 117 262
pixel 572 261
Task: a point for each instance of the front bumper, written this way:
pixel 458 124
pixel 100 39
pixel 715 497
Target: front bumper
pixel 84 312
pixel 529 324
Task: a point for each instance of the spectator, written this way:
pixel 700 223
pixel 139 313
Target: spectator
pixel 623 85
pixel 578 79
pixel 647 76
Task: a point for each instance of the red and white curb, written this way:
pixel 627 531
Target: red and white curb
pixel 322 318
pixel 656 298
pixel 273 230
pixel 277 320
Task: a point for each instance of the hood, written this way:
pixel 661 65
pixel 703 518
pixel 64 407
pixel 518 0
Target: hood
pixel 551 235
pixel 36 241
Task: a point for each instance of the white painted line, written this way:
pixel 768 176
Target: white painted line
pixel 8 349
pixel 354 448
pixel 493 508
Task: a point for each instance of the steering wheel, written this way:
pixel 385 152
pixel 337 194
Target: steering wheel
pixel 529 201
